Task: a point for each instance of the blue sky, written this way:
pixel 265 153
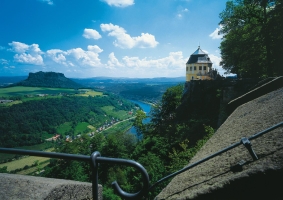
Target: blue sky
pixel 114 38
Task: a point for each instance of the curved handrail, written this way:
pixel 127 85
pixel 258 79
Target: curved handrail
pixel 130 163
pixel 94 159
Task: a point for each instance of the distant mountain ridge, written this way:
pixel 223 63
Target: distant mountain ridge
pixel 48 79
pixel 130 80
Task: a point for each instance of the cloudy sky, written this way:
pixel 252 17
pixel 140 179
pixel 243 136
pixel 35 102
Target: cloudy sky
pixel 114 38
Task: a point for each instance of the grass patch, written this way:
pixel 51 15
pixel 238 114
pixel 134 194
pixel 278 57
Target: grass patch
pixel 91 127
pixel 32 170
pixel 11 103
pixel 81 128
pixel 121 114
pixel 38 147
pixel 21 163
pixel 119 127
pixel 88 92
pixel 21 91
pixel 46 135
pixel 64 128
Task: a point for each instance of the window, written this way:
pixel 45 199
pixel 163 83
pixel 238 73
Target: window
pixel 200 67
pixel 186 68
pixel 195 68
pixel 204 67
pixel 191 68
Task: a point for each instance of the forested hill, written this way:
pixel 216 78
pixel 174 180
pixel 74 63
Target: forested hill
pixel 48 79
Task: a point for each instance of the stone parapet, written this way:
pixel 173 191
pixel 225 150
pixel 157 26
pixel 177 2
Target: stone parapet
pixel 22 187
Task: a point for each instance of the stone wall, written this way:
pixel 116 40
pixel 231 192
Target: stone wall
pixel 14 186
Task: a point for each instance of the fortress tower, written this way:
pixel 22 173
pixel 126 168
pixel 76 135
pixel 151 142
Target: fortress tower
pixel 198 66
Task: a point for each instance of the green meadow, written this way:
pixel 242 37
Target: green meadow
pixel 21 91
pixel 121 114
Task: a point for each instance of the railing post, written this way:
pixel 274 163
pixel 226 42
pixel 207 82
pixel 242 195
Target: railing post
pixel 94 166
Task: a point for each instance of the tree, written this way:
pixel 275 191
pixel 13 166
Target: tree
pixel 250 43
pixel 138 123
pixel 3 169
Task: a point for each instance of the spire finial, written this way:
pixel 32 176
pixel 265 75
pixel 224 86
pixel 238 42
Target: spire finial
pixel 199 45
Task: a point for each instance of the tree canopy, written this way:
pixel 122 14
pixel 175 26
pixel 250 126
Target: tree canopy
pixel 252 37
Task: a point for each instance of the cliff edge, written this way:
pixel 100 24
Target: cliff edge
pixel 260 179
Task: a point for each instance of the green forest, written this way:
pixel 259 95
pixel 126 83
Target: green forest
pixel 31 122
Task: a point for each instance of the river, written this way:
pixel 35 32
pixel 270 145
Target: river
pixel 146 108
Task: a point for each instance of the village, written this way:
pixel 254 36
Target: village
pixel 102 128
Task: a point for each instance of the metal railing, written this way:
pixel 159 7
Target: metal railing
pixel 95 158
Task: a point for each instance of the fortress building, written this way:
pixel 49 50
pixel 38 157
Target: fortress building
pixel 198 66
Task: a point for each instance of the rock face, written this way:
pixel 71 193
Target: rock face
pixel 260 179
pixel 48 79
pixel 30 187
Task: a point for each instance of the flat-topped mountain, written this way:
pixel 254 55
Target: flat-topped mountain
pixel 48 79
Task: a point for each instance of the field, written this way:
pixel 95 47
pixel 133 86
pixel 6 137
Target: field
pixel 31 170
pixel 33 91
pixel 21 163
pixel 39 147
pixel 81 127
pixel 120 127
pixel 121 114
pixel 64 128
pixel 21 90
pixel 88 92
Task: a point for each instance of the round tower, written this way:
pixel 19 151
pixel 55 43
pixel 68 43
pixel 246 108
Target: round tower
pixel 198 66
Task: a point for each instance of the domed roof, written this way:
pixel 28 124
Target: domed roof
pixel 199 56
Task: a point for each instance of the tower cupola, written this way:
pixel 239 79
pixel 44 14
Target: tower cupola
pixel 198 66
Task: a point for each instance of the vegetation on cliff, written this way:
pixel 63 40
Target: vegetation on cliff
pixel 252 38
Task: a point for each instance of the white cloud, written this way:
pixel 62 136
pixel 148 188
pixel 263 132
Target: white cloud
pixel 49 2
pixel 173 65
pixel 91 34
pixel 94 48
pixel 181 13
pixel 84 58
pixel 113 61
pixel 216 63
pixel 125 41
pixel 4 61
pixel 119 3
pixel 28 54
pixel 179 16
pixel 57 56
pixel 29 59
pixel 77 56
pixel 215 35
